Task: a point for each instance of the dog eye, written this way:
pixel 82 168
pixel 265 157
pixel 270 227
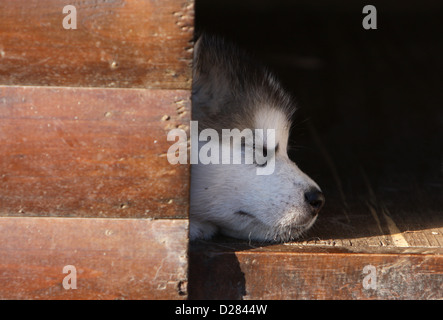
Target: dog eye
pixel 265 154
pixel 265 150
pixel 261 165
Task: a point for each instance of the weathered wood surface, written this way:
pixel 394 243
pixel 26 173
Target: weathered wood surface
pixel 231 271
pixel 117 43
pixel 113 258
pixel 91 152
pixel 70 157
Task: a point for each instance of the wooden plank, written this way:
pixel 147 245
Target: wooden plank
pixel 229 271
pixel 380 221
pixel 91 152
pixel 113 258
pixel 117 43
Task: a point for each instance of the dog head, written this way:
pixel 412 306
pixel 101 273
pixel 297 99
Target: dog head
pixel 232 91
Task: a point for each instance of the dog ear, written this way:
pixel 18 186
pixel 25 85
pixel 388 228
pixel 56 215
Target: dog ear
pixel 212 70
pixel 229 83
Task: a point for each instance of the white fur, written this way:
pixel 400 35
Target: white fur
pixel 276 202
pixel 232 198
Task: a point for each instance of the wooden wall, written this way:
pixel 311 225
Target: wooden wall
pixel 84 178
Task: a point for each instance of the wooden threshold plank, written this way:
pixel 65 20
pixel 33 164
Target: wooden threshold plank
pixel 137 43
pixel 113 258
pixel 91 152
pixel 232 271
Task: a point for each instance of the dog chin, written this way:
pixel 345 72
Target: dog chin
pixel 277 234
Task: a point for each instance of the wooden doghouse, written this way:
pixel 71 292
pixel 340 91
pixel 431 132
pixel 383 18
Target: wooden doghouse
pixel 90 208
pixel 87 97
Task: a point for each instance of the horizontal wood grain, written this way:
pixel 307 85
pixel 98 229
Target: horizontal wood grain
pixel 113 258
pixel 229 271
pixel 91 152
pixel 117 43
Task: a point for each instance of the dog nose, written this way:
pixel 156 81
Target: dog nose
pixel 316 200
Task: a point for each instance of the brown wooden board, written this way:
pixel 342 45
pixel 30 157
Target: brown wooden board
pixel 91 152
pixel 233 271
pixel 113 258
pixel 117 43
